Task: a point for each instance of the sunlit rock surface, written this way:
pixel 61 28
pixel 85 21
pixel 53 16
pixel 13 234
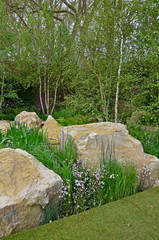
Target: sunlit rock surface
pixel 31 119
pixel 107 140
pixel 26 189
pixel 53 130
pixel 4 125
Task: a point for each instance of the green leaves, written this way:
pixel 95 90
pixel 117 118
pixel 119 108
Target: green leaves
pixel 82 51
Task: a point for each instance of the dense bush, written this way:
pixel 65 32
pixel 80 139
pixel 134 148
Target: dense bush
pixel 67 117
pixel 148 136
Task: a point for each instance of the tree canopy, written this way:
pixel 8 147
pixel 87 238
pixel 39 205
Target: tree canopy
pixel 96 57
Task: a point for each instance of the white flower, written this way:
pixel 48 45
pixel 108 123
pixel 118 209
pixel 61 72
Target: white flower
pixel 112 176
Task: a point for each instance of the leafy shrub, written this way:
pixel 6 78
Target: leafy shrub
pixel 75 120
pixel 143 117
pixel 43 117
pixel 149 137
pixel 65 117
pixel 62 112
pixel 9 116
pixel 2 116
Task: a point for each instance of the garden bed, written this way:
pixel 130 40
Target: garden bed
pixel 82 190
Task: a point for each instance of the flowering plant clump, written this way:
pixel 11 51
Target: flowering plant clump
pixel 89 189
pixel 145 180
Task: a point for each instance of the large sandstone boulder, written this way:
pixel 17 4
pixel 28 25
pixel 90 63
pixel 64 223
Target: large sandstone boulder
pixel 27 188
pixel 53 130
pixel 109 141
pixel 30 118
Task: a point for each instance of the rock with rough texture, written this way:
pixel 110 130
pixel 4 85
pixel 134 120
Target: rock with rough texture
pixel 31 119
pixel 111 141
pixel 27 188
pixel 53 130
pixel 4 125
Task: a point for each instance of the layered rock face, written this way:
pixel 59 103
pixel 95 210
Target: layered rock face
pixel 27 188
pixel 53 130
pixel 106 140
pixel 30 118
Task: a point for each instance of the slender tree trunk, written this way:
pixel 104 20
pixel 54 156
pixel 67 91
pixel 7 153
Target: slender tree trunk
pixel 48 93
pixel 108 95
pixel 40 94
pixel 45 88
pixel 119 72
pixel 55 95
pixel 2 95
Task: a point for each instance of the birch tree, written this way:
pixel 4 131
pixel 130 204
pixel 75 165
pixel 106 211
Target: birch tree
pixel 120 62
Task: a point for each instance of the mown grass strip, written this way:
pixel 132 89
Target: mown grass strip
pixel 135 217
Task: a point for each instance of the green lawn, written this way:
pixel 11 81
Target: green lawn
pixel 135 217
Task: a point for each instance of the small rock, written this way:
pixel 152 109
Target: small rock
pixel 31 119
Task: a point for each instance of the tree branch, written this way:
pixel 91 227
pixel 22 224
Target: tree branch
pixel 53 11
pixel 57 18
pixel 21 18
pixel 69 6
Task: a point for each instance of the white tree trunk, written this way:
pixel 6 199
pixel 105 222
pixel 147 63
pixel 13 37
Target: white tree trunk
pixel 55 95
pixel 48 94
pixel 119 72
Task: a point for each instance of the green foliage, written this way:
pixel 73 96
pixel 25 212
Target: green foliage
pixel 10 113
pixel 43 117
pixel 142 117
pixel 149 137
pixel 75 120
pixel 7 47
pixel 22 137
pixel 62 112
pixel 2 116
pixel 84 102
pixel 50 213
pixel 9 117
pixel 90 189
pixel 56 158
pixel 121 180
pixel 67 117
pixel 139 87
pixel 82 62
pixel 61 161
